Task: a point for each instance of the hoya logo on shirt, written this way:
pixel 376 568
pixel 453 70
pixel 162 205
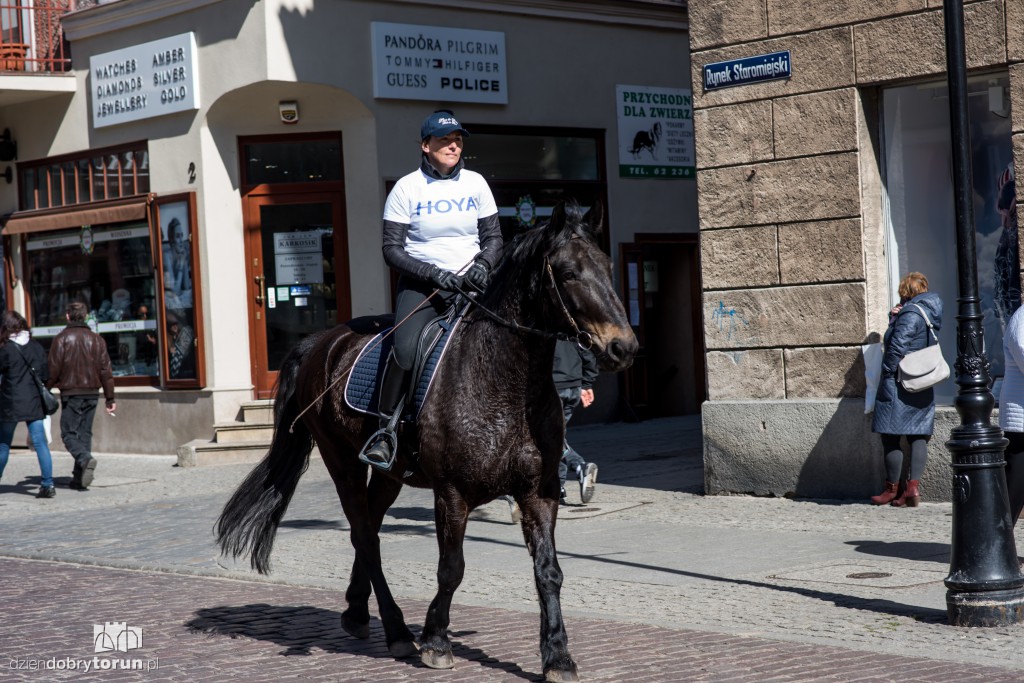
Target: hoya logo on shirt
pixel 445 206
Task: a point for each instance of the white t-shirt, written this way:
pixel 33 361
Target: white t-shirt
pixel 442 216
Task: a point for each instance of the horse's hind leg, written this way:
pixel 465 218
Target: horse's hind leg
pixel 356 619
pixel 450 515
pixel 539 532
pixel 364 519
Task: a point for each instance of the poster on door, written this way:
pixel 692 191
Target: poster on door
pixel 298 258
pixel 655 132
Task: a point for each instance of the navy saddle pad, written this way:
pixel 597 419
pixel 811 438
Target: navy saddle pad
pixel 362 389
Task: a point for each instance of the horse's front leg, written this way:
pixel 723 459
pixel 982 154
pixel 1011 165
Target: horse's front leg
pixel 450 516
pixel 539 514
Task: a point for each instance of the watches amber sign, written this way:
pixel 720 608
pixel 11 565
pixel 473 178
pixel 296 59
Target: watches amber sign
pixel 142 81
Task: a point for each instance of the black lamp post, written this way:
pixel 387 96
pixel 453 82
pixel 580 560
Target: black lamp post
pixel 984 586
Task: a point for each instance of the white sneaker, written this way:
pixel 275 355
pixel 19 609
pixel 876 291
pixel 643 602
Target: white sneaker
pixel 588 481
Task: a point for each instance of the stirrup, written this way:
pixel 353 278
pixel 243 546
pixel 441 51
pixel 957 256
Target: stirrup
pixel 384 434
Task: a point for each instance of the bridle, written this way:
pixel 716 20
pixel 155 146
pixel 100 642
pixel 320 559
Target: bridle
pixel 583 339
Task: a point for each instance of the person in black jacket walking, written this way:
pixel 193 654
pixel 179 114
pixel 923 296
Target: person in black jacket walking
pixel 574 372
pixel 19 395
pixel 898 412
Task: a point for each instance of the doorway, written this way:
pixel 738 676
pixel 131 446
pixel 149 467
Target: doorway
pixel 297 267
pixel 662 293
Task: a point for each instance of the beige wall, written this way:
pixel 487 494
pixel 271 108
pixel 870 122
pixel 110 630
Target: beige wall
pixel 789 181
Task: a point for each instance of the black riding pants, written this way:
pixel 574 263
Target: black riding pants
pixel 411 297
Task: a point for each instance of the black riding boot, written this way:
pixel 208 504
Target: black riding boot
pixel 382 446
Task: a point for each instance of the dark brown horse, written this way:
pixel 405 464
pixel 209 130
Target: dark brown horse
pixel 491 425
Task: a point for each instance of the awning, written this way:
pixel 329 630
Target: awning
pixel 97 213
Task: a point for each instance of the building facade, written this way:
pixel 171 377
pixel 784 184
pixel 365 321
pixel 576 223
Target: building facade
pixel 822 180
pixel 213 185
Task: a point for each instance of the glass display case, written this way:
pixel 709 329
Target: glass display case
pixel 110 269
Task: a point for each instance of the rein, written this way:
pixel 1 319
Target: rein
pixel 583 338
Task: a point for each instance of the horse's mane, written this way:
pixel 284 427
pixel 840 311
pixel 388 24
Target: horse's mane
pixel 520 266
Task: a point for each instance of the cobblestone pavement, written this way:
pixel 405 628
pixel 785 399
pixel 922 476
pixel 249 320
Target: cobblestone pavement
pixel 661 582
pixel 203 629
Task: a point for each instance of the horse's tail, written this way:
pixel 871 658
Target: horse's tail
pixel 249 521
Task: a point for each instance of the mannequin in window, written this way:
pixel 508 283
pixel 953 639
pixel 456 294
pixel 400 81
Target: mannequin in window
pixel 145 345
pixel 181 340
pixel 177 267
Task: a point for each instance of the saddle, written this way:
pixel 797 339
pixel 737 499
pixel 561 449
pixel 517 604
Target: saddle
pixel 362 390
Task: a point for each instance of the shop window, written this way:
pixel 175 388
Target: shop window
pixel 919 211
pixel 274 160
pixel 82 178
pixel 136 270
pixel 110 269
pixel 179 297
pixel 530 170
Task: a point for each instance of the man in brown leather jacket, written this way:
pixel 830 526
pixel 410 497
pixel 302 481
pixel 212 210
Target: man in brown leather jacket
pixel 79 367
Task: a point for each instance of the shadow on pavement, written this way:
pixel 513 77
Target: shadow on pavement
pixel 302 629
pixel 20 487
pixel 907 550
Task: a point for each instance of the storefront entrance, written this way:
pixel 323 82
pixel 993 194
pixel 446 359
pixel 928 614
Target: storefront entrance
pixel 662 293
pixel 297 267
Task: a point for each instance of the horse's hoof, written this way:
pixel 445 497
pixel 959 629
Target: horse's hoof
pixel 400 649
pixel 561 675
pixel 437 660
pixel 354 628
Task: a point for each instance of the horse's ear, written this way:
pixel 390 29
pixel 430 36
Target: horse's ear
pixel 557 220
pixel 594 218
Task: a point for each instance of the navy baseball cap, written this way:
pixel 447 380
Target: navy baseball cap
pixel 439 124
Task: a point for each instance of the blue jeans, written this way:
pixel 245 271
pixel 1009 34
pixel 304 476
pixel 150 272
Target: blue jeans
pixel 38 434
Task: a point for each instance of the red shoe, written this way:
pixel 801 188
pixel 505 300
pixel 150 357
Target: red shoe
pixel 911 497
pixel 887 496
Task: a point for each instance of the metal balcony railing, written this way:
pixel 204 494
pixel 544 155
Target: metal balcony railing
pixel 31 36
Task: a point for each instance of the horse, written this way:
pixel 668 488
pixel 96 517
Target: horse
pixel 646 139
pixel 491 425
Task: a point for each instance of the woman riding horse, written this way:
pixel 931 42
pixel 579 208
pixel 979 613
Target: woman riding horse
pixel 491 425
pixel 437 220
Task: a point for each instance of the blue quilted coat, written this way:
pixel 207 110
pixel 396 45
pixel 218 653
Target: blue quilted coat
pixel 898 411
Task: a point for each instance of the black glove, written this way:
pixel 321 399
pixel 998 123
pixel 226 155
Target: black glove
pixel 445 280
pixel 478 276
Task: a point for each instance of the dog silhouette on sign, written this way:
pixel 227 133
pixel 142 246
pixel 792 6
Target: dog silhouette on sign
pixel 646 139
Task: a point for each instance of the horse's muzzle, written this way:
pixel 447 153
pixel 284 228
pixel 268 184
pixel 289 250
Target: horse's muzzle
pixel 618 353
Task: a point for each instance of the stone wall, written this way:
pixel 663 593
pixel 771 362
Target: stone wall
pixel 789 239
pixel 790 205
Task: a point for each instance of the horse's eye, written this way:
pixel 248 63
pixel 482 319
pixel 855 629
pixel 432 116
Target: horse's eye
pixel 569 276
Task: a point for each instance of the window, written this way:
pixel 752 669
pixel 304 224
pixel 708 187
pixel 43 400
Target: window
pixel 135 268
pixel 81 178
pixel 110 269
pixel 272 161
pixel 179 292
pixel 918 200
pixel 530 170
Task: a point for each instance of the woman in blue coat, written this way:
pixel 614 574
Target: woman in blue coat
pixel 19 395
pixel 898 412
